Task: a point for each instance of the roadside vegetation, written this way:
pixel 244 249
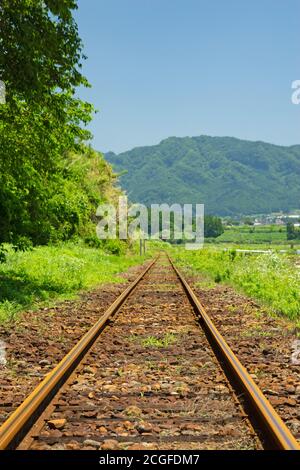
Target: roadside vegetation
pixel 273 279
pixel 48 274
pixel 51 180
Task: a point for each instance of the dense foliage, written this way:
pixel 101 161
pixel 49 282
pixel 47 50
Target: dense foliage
pixel 213 226
pixel 270 278
pixel 47 189
pixel 228 175
pixel 293 233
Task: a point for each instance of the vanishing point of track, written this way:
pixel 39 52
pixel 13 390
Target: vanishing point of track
pixel 152 373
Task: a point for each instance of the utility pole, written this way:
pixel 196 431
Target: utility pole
pixel 141 247
pixel 142 244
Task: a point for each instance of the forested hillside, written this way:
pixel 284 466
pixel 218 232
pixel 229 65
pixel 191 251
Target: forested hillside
pixel 230 176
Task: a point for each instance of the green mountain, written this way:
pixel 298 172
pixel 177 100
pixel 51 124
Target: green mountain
pixel 230 176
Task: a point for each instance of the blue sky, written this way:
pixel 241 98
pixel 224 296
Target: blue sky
pixel 161 68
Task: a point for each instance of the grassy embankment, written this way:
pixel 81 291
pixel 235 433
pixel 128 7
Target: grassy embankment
pixel 272 279
pixel 47 274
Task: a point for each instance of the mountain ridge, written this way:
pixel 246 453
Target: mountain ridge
pixel 230 176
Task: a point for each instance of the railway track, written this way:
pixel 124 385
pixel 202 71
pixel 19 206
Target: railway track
pixel 152 373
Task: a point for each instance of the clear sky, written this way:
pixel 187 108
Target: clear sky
pixel 161 68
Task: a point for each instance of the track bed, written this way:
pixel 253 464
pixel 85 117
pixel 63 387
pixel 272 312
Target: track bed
pixel 152 373
pixel 151 381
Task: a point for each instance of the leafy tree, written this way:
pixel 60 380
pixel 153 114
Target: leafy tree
pixel 42 120
pixel 40 48
pixel 213 226
pixel 292 232
pixel 248 221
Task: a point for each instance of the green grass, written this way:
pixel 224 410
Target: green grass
pixel 155 342
pixel 51 273
pixel 164 342
pixel 254 235
pixel 273 279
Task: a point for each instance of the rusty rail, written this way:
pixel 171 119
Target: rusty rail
pixel 262 414
pixel 274 432
pixel 18 424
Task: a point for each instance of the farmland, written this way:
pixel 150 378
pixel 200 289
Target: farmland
pixel 264 234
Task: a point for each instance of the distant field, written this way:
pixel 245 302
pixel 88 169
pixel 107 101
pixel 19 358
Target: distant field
pixel 256 235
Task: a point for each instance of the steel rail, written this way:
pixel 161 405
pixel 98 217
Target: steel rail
pixel 276 433
pixel 19 423
pixel 14 429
